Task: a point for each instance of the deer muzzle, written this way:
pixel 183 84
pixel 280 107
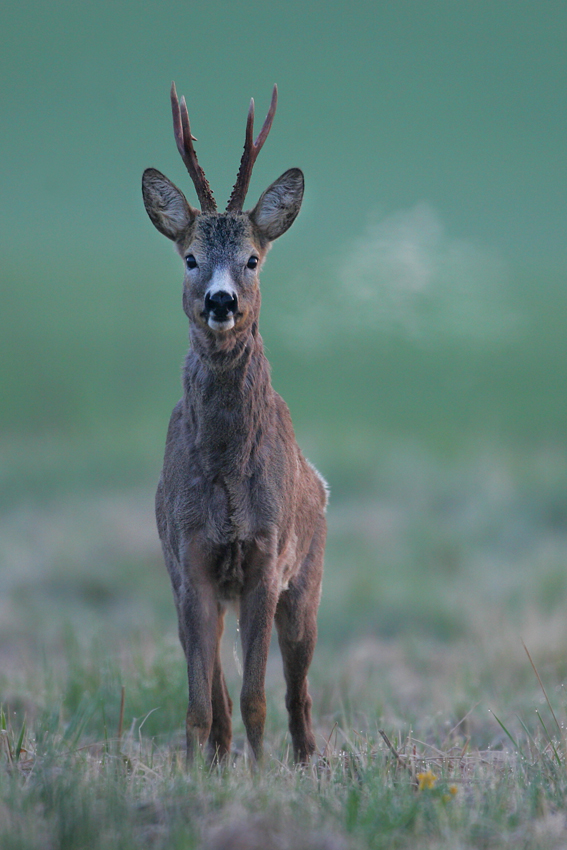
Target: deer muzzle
pixel 220 309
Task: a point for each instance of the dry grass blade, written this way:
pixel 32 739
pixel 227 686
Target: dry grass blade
pixel 461 721
pixel 328 741
pixel 544 691
pixel 392 748
pixel 121 716
pixel 399 760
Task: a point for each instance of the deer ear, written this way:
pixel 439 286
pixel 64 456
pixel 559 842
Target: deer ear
pixel 166 204
pixel 278 207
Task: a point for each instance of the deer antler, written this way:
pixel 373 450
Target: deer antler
pixel 184 139
pixel 251 151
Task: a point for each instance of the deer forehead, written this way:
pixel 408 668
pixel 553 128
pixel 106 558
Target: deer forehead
pixel 222 238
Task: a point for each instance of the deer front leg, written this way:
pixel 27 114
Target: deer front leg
pixel 221 730
pixel 199 629
pixel 257 608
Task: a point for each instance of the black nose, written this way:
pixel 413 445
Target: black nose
pixel 220 304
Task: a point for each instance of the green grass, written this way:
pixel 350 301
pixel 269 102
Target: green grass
pixel 436 573
pixel 68 780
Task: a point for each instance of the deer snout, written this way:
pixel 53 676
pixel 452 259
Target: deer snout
pixel 220 309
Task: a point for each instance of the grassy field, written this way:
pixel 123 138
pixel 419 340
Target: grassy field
pixel 437 573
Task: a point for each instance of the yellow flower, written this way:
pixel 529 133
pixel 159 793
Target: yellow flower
pixel 452 789
pixel 426 780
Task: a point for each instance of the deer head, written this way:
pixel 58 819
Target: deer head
pixel 223 252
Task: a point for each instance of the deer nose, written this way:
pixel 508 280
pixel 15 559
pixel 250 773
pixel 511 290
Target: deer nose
pixel 220 304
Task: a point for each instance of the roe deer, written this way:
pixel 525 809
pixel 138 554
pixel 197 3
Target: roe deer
pixel 240 512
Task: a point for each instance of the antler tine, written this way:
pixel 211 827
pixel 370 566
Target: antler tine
pixel 251 151
pixel 184 140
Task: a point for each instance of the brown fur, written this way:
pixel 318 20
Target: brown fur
pixel 240 512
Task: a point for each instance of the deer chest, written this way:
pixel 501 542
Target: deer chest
pixel 223 510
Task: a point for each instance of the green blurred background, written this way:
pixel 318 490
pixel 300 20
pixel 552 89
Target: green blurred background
pixel 414 316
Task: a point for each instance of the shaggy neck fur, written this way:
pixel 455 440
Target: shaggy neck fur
pixel 228 400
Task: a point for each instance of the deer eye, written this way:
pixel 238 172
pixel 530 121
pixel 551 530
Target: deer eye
pixel 190 261
pixel 252 263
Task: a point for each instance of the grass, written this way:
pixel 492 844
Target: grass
pixel 76 777
pixel 433 725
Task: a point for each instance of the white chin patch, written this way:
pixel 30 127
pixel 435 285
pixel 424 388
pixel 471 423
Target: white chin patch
pixel 221 326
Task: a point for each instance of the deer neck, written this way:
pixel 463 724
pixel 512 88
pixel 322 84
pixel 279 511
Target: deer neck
pixel 228 402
